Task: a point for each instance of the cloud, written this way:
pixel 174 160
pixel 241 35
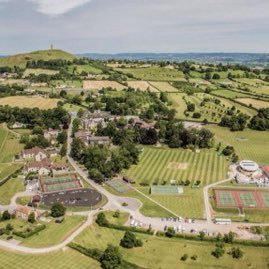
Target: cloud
pixel 57 7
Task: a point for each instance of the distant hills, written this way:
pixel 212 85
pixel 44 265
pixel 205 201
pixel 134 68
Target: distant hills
pixel 253 59
pixel 22 59
pixel 244 58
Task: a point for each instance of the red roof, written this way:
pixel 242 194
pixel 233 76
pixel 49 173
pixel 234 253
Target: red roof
pixel 34 151
pixel 266 169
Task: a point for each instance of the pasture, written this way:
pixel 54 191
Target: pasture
pixel 29 102
pixel 154 73
pixel 100 84
pixel 178 104
pixel 162 253
pixel 85 68
pixel 142 85
pixel 253 102
pixel 230 94
pixel 69 258
pixel 154 166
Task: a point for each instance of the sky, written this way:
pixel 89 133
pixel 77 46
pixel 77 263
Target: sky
pixel 114 26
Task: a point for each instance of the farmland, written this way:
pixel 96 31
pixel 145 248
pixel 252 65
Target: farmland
pixel 230 94
pixel 249 144
pixel 100 84
pixel 142 85
pixel 29 102
pixel 154 73
pixel 253 102
pixel 162 253
pixel 163 86
pixel 39 71
pixel 154 167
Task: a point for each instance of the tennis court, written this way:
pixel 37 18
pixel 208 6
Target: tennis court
pixel 118 185
pixel 60 183
pixel 166 190
pixel 241 198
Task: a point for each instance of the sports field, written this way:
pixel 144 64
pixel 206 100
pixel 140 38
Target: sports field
pixel 118 185
pixel 55 184
pixel 29 102
pixel 157 165
pixel 249 144
pixel 241 198
pixel 164 253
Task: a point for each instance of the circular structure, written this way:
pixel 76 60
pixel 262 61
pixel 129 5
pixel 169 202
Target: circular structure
pixel 249 166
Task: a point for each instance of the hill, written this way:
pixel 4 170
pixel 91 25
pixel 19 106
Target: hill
pixel 21 59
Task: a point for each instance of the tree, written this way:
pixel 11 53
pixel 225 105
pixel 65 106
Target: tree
pixel 170 232
pixel 191 107
pixel 31 217
pixel 57 210
pixel 37 130
pixel 111 258
pixel 96 175
pixel 63 150
pixel 149 136
pixel 184 257
pixel 219 250
pixel 236 253
pixel 129 240
pixel 62 137
pixel 6 215
pixel 101 219
pixel 216 76
pixel 228 238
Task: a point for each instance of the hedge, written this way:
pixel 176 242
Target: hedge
pixel 26 234
pixel 96 254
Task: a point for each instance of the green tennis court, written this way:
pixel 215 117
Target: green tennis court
pixel 166 190
pixel 61 186
pixel 226 199
pixel 118 185
pixel 248 199
pixel 265 198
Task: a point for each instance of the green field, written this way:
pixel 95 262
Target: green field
pixel 54 233
pixel 9 189
pixel 163 253
pixel 159 164
pixel 230 94
pixel 163 86
pixel 154 73
pixel 46 55
pixel 249 144
pixel 38 71
pixel 63 259
pixel 86 68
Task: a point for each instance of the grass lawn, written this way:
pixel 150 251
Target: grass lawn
pixel 9 189
pixel 121 220
pixel 160 164
pixel 163 253
pixel 7 169
pixel 178 104
pixel 72 107
pixel 154 73
pixel 249 144
pixel 149 208
pixel 53 234
pixel 86 68
pixel 63 259
pixel 29 102
pixel 188 205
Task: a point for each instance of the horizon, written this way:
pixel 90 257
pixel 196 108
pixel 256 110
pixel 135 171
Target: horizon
pixel 118 26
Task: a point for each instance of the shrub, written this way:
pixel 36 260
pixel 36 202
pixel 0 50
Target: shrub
pixel 129 240
pixel 236 253
pixel 194 257
pixel 184 257
pixel 57 210
pixel 170 232
pixel 101 219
